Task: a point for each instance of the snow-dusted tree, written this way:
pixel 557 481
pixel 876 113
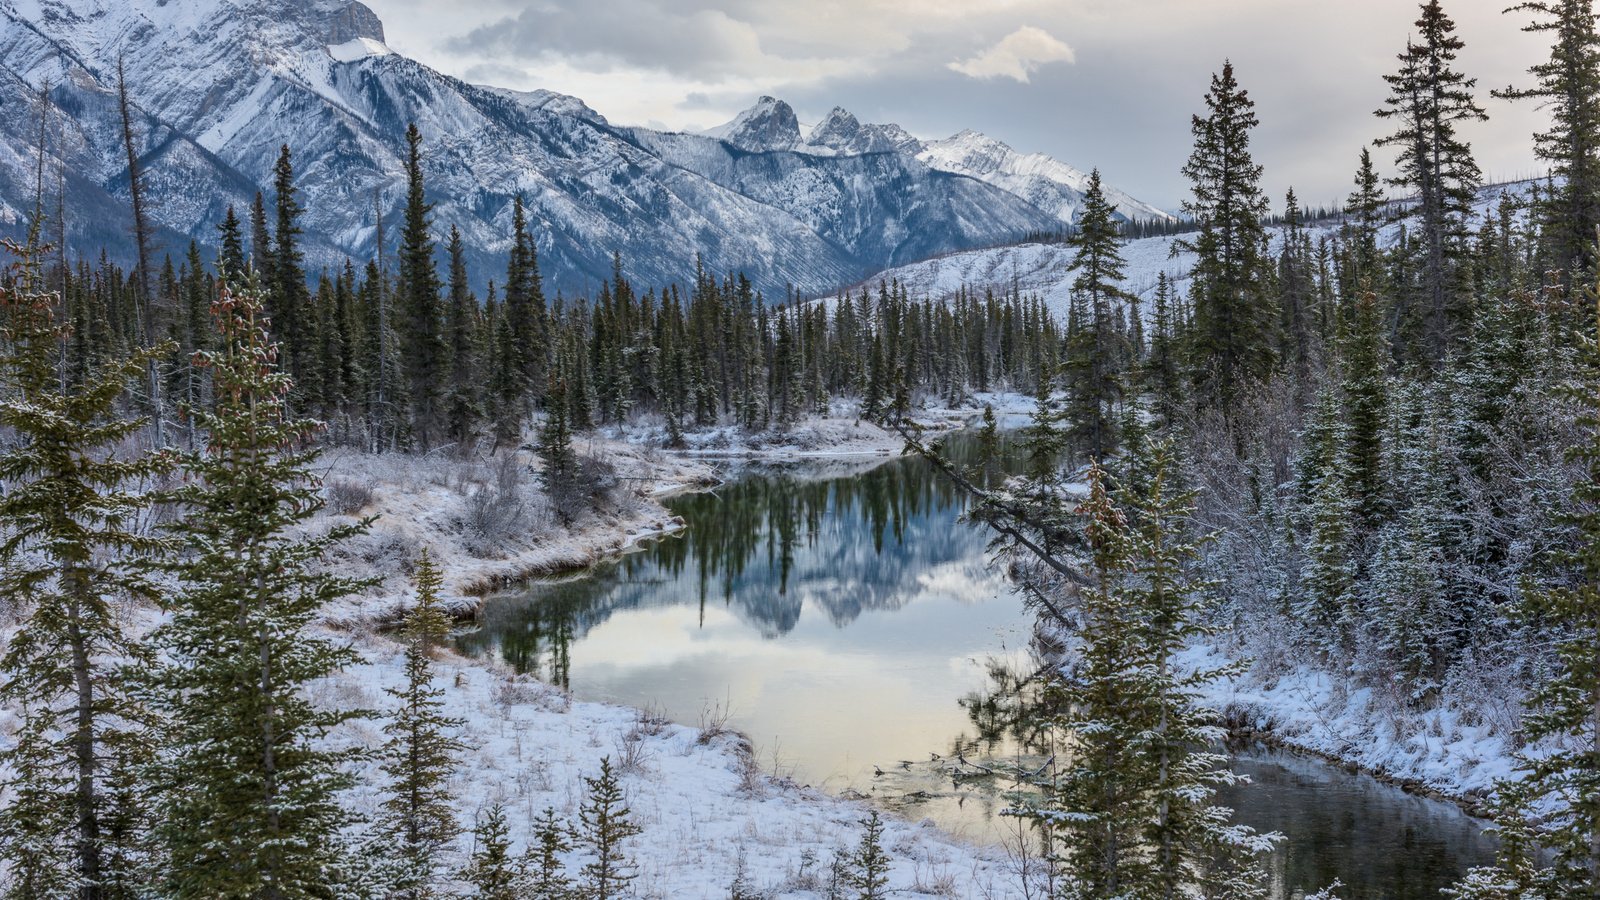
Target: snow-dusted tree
pixel 72 502
pixel 1327 580
pixel 604 823
pixel 251 805
pixel 1193 843
pixel 421 752
pixel 492 870
pixel 868 870
pixel 1101 802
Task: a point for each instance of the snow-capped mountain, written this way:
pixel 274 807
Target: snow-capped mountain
pixel 1047 183
pixel 1052 186
pixel 219 86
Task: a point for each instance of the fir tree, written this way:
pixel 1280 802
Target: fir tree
pixel 421 752
pixel 252 806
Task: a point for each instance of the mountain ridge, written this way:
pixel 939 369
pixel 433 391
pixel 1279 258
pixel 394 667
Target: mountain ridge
pixel 220 85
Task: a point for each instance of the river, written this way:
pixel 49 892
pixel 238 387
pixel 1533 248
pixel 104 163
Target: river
pixel 844 617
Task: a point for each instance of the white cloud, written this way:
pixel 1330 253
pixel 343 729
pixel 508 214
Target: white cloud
pixel 1016 55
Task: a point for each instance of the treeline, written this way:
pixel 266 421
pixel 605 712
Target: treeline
pixel 415 360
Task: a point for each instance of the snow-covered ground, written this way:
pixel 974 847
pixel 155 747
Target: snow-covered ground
pixel 708 810
pixel 706 807
pixel 485 521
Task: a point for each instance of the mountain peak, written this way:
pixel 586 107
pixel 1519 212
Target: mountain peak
pixel 842 133
pixel 768 125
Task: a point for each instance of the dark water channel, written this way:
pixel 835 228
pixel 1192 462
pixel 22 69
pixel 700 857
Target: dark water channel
pixel 841 615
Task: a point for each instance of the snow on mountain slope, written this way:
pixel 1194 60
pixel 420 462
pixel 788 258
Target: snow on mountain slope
pixel 1047 183
pixel 1041 269
pixel 220 85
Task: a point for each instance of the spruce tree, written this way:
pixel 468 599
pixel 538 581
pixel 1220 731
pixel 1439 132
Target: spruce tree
pixel 252 805
pixel 69 560
pixel 868 873
pixel 1231 342
pixel 288 299
pixel 492 871
pixel 421 752
pixel 605 823
pixel 1430 99
pixel 1099 267
pixel 547 874
pixel 1568 84
pixel 423 353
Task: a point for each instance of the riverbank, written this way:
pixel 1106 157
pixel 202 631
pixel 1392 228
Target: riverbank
pixel 711 814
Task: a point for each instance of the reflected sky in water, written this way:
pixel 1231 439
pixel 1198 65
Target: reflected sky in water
pixel 837 613
pixel 840 611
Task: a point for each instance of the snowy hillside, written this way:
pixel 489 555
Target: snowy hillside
pixel 220 85
pixel 1041 268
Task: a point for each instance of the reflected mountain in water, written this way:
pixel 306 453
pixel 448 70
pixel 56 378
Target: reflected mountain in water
pixel 765 547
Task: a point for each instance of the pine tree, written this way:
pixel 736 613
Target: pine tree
pixel 1231 342
pixel 1569 86
pixel 253 807
pixel 421 752
pixel 605 822
pixel 70 557
pixel 1430 99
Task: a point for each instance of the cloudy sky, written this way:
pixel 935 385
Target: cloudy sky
pixel 1108 83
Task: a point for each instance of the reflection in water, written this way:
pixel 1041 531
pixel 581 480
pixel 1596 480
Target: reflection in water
pixel 1377 839
pixel 838 610
pixel 851 626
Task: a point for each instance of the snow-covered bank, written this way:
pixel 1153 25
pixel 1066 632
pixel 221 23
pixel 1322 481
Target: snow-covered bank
pixel 1451 751
pixel 486 521
pixel 844 431
pixel 707 809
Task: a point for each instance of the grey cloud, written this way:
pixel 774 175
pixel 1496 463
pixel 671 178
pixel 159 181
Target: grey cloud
pixel 690 40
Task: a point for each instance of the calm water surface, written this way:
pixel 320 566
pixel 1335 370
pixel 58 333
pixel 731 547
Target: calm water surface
pixel 842 616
